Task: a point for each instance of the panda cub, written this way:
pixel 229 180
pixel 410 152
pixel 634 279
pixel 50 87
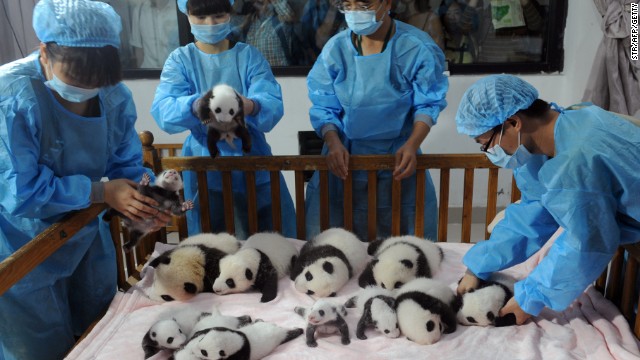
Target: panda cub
pixel 221 110
pixel 426 309
pixel 166 192
pixel 327 262
pixel 251 342
pixel 480 307
pixel 216 319
pixel 400 259
pixel 325 317
pixel 378 308
pixel 170 332
pixel 264 258
pixel 191 267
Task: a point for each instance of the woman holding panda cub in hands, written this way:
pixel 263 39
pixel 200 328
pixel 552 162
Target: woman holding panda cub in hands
pixel 188 74
pixel 66 121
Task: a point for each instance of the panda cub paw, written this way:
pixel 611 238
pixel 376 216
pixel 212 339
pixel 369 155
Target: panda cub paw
pixel 187 205
pixel 146 179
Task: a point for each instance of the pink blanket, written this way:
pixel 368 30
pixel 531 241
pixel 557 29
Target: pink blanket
pixel 591 328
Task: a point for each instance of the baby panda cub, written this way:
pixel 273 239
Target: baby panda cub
pixel 399 259
pixel 327 262
pixel 378 308
pixel 251 342
pixel 166 191
pixel 481 306
pixel 426 310
pixel 221 110
pixel 326 318
pixel 170 332
pixel 260 263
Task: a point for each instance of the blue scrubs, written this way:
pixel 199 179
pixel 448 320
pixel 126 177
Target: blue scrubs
pixel 48 159
pixel 373 101
pixel 590 189
pixel 189 73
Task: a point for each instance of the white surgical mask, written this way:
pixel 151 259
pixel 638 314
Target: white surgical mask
pixel 211 34
pixel 69 92
pixel 363 22
pixel 500 158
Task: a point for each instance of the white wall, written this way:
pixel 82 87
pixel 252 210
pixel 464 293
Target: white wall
pixel 582 37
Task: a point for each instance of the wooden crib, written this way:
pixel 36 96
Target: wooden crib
pixel 617 283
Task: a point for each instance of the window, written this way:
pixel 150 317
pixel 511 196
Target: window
pixel 477 36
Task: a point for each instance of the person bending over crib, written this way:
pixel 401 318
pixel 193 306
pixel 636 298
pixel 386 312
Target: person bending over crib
pixel 376 88
pixel 190 72
pixel 66 121
pixel 576 169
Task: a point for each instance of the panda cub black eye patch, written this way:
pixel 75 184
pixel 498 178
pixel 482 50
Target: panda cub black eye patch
pixel 230 283
pixel 231 112
pixel 170 340
pixel 204 353
pixel 430 326
pixel 222 353
pixel 397 285
pixel 321 312
pixel 166 298
pixel 153 334
pixel 490 316
pixel 471 320
pixel 218 110
pixel 308 276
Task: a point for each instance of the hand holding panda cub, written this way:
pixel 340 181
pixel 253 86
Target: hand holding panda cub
pixel 165 191
pixel 222 111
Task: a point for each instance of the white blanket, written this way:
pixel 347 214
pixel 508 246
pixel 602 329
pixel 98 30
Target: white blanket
pixel 591 328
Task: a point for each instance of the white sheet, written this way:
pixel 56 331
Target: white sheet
pixel 591 328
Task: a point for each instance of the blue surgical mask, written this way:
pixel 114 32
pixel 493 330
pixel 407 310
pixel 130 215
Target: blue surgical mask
pixel 211 34
pixel 500 158
pixel 69 92
pixel 363 22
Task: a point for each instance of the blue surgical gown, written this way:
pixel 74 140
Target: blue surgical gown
pixel 373 101
pixel 189 73
pixel 590 188
pixel 48 159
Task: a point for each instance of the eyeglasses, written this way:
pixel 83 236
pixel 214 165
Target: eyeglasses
pixel 485 147
pixel 360 6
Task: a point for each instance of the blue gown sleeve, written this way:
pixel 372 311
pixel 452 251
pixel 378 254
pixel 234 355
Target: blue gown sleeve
pixel 265 90
pixel 171 107
pixel 326 108
pixel 430 86
pixel 31 189
pixel 125 160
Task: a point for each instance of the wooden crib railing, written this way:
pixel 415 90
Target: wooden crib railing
pixel 616 285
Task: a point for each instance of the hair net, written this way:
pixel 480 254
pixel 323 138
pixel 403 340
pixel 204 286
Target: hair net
pixel 77 23
pixel 490 101
pixel 182 5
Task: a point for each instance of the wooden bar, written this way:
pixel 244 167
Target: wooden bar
pixel 300 206
pixel 252 202
pixel 419 221
pixel 602 282
pixel 129 257
pixel 324 200
pixel 628 289
pixel 25 259
pixel 467 206
pixel 492 199
pixel 515 192
pixel 227 196
pixel 203 195
pixel 443 210
pixel 396 197
pixel 372 207
pixel 348 202
pixel 276 212
pixel 114 227
pixel 614 283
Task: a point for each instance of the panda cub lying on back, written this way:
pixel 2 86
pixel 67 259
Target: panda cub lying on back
pixel 221 110
pixel 166 192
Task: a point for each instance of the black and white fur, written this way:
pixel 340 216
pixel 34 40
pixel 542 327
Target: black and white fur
pixel 221 110
pixel 263 259
pixel 378 309
pixel 325 317
pixel 397 260
pixel 166 191
pixel 216 319
pixel 191 267
pixel 481 306
pixel 251 342
pixel 426 309
pixel 327 262
pixel 170 332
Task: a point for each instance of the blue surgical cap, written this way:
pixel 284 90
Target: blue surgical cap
pixel 77 23
pixel 182 5
pixel 490 101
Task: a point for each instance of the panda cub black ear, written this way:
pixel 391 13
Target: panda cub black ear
pixel 328 267
pixel 248 274
pixel 162 259
pixel 407 263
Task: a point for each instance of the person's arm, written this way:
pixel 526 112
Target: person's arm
pixel 264 92
pixel 531 16
pixel 283 10
pixel 172 106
